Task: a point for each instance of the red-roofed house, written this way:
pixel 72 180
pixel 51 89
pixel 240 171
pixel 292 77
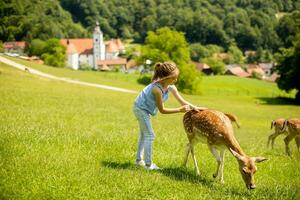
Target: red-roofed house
pixel 204 68
pixel 267 67
pixel 255 69
pixel 94 51
pixel 15 46
pixel 237 71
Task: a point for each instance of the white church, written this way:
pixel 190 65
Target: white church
pixel 96 53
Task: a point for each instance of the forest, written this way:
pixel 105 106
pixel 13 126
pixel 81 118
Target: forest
pixel 268 27
pixel 250 24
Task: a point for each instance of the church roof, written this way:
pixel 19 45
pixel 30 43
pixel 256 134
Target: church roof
pixel 85 45
pixel 111 46
pixel 71 49
pixel 82 45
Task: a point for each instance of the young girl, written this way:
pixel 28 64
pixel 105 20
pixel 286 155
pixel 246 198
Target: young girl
pixel 151 99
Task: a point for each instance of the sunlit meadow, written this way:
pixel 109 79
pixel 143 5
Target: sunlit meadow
pixel 65 141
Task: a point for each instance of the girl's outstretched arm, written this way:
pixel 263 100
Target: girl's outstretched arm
pixel 182 101
pixel 159 103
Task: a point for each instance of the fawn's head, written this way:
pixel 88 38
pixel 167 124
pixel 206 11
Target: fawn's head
pixel 248 168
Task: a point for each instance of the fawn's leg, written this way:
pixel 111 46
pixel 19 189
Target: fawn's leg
pixel 187 152
pixel 287 140
pixel 194 159
pixel 220 160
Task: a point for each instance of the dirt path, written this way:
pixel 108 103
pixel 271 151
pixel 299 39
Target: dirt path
pixel 36 72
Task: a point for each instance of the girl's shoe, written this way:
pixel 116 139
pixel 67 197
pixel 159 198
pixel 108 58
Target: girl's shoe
pixel 140 163
pixel 152 167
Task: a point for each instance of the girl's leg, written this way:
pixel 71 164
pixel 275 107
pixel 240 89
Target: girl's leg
pixel 149 138
pixel 140 148
pixel 146 135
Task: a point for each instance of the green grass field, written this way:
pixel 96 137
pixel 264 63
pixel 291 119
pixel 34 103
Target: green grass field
pixel 65 141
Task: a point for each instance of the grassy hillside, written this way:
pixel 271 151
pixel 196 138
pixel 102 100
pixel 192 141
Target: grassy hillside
pixel 210 85
pixel 63 141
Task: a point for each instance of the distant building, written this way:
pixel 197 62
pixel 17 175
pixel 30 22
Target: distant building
pixel 266 67
pixel 256 69
pixel 237 71
pixel 204 68
pixel 250 53
pixel 273 77
pixel 95 52
pixel 15 46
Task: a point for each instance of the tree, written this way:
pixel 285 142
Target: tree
pixel 289 68
pixel 288 27
pixel 235 55
pixel 54 53
pixel 166 44
pixel 169 45
pixel 216 65
pixel 1 47
pixel 36 47
pixel 198 51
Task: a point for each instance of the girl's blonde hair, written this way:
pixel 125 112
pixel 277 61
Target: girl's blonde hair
pixel 164 69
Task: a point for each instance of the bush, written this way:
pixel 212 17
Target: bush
pixel 54 53
pixel 216 65
pixel 85 66
pixel 54 60
pixel 36 47
pixel 189 79
pixel 144 79
pixel 256 75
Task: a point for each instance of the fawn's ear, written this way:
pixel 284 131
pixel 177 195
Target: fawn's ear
pixel 259 159
pixel 237 155
pixel 272 124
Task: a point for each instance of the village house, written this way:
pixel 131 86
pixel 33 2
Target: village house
pixel 266 67
pixel 236 71
pixel 255 69
pixel 94 52
pixel 15 47
pixel 204 68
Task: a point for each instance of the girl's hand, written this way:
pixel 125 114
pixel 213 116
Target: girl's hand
pixel 200 108
pixel 193 107
pixel 185 108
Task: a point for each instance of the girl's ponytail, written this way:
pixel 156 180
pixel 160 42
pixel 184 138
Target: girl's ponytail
pixel 156 74
pixel 163 69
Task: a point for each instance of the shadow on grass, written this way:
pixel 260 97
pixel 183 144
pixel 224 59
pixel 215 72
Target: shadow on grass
pixel 116 165
pixel 278 101
pixel 182 174
pixel 177 173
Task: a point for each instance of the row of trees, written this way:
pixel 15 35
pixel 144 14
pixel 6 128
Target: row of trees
pixel 30 19
pixel 248 24
pixel 166 44
pixel 230 26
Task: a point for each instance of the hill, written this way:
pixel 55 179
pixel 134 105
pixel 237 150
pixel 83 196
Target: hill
pixel 30 19
pixel 210 85
pixel 250 24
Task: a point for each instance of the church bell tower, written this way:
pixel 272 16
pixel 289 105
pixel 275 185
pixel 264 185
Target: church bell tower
pixel 98 46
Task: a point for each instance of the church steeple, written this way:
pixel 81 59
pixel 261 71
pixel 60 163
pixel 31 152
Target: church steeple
pixel 98 45
pixel 97 28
